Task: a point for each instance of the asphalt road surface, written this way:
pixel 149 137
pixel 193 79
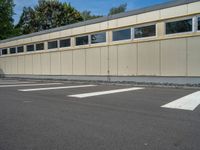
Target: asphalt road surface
pixel 37 115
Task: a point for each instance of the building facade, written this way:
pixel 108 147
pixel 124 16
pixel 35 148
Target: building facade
pixel 157 41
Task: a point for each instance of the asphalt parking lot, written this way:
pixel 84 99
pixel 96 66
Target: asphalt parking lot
pixel 58 115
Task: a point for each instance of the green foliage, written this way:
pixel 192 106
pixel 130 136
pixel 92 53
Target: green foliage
pixel 27 22
pixel 88 16
pixel 115 10
pixel 6 21
pixel 47 14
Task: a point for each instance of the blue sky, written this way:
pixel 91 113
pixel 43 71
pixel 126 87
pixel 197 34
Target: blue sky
pixel 97 7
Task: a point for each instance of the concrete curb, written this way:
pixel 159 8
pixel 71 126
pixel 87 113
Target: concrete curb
pixel 172 82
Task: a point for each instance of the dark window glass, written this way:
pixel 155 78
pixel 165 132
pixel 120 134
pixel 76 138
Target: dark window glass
pixel 83 40
pixel 12 50
pixel 179 26
pixel 39 46
pixel 4 51
pixel 122 35
pixel 30 48
pixel 146 31
pixel 65 43
pixel 20 49
pixel 98 38
pixel 53 44
pixel 199 23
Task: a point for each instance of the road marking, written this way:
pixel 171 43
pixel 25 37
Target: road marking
pixel 55 88
pixel 104 92
pixel 13 83
pixel 188 102
pixel 17 85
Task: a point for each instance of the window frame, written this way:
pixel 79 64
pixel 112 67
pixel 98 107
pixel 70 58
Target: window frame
pixel 197 23
pixel 31 50
pixel 90 36
pixel 55 40
pixel 89 42
pixel 65 39
pixel 12 48
pixel 124 40
pixel 145 25
pixel 179 19
pixel 2 51
pixel 19 47
pixel 40 49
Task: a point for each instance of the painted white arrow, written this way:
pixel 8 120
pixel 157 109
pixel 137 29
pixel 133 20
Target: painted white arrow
pixel 188 102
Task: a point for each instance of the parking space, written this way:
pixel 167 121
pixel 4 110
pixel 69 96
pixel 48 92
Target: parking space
pixel 55 115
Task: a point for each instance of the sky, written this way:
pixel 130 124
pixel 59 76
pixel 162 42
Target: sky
pixel 97 7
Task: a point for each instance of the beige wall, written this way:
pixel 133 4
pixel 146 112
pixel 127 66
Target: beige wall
pixel 79 62
pixel 28 64
pixel 37 64
pixel 21 65
pixel 93 61
pixel 172 57
pixel 66 63
pixel 193 50
pixel 104 61
pixel 45 64
pixel 149 58
pixel 55 63
pixel 127 59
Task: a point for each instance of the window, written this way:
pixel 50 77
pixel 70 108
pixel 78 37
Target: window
pixel 199 23
pixel 83 40
pixel 20 49
pixel 30 48
pixel 98 38
pixel 12 50
pixel 122 35
pixel 53 44
pixel 65 43
pixel 4 51
pixel 146 31
pixel 39 46
pixel 179 26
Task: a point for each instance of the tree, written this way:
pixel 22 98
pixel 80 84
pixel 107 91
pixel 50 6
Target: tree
pixel 6 21
pixel 27 23
pixel 47 14
pixel 87 15
pixel 115 10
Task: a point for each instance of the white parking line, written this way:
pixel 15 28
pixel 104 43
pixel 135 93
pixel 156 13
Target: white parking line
pixel 189 102
pixel 55 88
pixel 18 85
pixel 104 92
pixel 13 83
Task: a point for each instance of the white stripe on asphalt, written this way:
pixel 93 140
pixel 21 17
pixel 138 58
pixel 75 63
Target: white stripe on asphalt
pixel 55 88
pixel 13 83
pixel 104 92
pixel 189 102
pixel 18 85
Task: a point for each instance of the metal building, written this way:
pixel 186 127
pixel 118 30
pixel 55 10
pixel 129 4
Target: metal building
pixel 157 41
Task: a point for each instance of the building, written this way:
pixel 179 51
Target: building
pixel 159 41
